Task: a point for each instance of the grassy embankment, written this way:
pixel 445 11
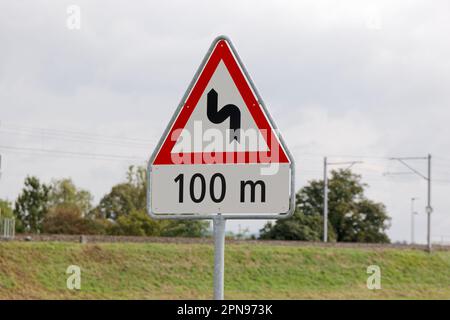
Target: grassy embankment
pixel 171 271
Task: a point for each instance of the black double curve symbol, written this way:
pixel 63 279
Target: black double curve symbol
pixel 217 116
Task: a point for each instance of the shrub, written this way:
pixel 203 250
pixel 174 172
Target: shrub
pixel 68 220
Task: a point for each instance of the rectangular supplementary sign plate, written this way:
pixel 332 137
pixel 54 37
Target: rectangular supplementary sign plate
pixel 220 188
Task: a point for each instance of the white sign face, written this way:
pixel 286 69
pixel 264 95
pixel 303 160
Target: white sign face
pixel 221 154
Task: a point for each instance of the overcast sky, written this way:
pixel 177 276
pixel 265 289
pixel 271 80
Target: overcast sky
pixel 354 80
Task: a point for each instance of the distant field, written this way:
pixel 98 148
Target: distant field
pixel 36 270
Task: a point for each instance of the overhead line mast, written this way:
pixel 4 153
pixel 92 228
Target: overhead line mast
pixel 427 177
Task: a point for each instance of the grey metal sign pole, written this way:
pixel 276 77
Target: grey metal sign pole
pixel 219 256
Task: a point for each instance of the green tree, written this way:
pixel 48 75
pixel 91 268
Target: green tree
pixel 136 223
pixel 352 217
pixel 366 223
pixel 139 223
pixel 64 193
pixel 184 228
pixel 67 219
pixel 299 227
pixel 126 204
pixel 6 210
pixel 126 197
pixel 32 205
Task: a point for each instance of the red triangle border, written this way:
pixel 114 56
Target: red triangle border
pixel 222 52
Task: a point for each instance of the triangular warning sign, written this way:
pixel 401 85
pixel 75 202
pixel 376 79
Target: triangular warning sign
pixel 221 154
pixel 221 120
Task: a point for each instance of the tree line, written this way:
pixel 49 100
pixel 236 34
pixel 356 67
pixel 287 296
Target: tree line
pixel 60 207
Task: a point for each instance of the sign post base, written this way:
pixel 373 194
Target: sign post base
pixel 219 256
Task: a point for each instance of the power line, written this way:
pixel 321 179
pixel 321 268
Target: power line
pixel 70 153
pixel 73 133
pixel 82 140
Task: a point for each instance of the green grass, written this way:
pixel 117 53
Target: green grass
pixel 173 271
